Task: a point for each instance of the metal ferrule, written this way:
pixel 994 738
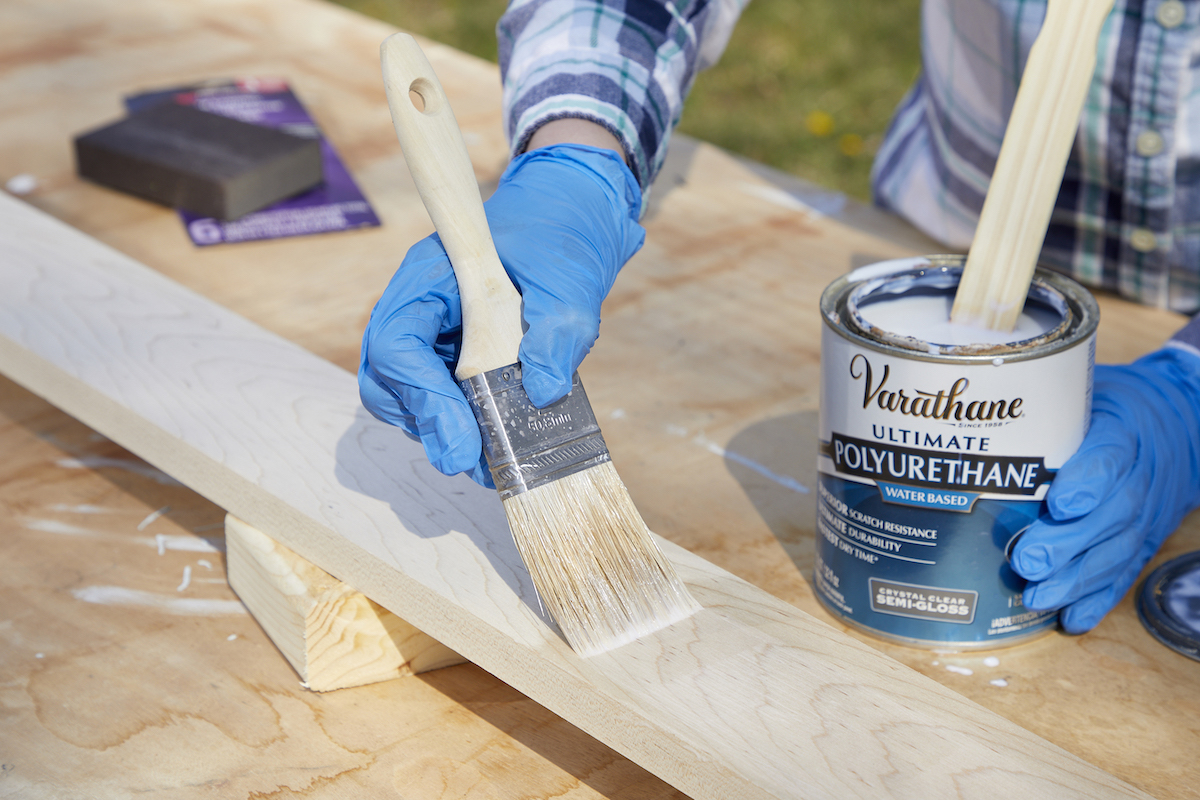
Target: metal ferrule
pixel 526 446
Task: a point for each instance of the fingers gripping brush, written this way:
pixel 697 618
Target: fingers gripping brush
pixel 594 563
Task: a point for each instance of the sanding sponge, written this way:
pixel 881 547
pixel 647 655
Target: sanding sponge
pixel 208 164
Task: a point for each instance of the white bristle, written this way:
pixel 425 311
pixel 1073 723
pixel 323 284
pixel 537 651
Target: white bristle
pixel 593 561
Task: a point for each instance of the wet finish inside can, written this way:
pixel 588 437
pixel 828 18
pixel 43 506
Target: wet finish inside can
pixel 912 310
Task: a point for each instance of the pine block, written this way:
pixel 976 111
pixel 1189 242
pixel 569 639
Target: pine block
pixel 334 636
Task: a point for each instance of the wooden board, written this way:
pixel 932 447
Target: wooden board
pixel 749 697
pixel 704 378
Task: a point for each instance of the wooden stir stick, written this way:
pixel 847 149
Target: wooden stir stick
pixel 1029 170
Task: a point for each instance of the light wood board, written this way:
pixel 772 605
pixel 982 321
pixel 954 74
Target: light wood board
pixel 749 697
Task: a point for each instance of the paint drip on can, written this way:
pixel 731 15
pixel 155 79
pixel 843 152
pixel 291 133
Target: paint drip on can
pixel 936 450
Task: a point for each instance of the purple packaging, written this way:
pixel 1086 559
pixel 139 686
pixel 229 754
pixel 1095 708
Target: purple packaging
pixel 337 204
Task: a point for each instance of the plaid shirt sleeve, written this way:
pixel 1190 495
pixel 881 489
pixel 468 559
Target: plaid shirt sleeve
pixel 624 64
pixel 1127 216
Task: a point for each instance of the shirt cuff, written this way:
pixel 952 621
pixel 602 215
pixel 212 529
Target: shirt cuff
pixel 616 95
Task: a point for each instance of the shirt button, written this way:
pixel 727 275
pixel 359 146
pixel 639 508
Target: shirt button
pixel 1143 240
pixel 1149 143
pixel 1170 14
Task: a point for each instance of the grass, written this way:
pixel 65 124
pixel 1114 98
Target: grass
pixel 468 25
pixel 806 86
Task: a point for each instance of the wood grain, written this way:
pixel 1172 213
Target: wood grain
pixel 749 697
pixel 1029 169
pixel 331 633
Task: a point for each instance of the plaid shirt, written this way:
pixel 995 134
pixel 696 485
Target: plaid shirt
pixel 1127 216
pixel 625 64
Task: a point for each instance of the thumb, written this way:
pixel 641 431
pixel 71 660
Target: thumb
pixel 558 339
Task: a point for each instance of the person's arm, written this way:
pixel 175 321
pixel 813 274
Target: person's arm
pixel 570 130
pixel 592 90
pixel 625 65
pixel 1135 477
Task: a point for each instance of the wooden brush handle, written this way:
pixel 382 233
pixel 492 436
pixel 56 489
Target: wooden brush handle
pixel 437 158
pixel 1029 169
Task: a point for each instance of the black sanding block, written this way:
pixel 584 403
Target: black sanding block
pixel 208 164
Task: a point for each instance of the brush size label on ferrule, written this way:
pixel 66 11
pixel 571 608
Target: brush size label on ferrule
pixel 526 446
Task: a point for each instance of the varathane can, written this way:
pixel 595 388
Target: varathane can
pixel 935 457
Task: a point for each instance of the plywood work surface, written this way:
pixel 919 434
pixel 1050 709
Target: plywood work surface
pixel 705 381
pixel 129 667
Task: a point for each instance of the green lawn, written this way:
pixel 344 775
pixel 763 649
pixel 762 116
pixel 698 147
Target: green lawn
pixel 807 86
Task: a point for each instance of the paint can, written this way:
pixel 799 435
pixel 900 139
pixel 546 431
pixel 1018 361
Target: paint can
pixel 935 457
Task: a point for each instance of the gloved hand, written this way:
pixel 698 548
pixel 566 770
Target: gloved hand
pixel 1113 503
pixel 564 220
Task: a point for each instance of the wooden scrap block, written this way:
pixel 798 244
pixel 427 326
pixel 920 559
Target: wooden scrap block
pixel 333 635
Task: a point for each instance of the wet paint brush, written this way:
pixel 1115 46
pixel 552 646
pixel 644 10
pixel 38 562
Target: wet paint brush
pixel 595 565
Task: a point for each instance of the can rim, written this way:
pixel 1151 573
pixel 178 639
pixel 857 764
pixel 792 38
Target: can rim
pixel 1081 317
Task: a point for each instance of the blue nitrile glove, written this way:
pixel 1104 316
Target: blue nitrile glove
pixel 1113 503
pixel 564 220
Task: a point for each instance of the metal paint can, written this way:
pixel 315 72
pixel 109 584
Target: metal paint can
pixel 935 458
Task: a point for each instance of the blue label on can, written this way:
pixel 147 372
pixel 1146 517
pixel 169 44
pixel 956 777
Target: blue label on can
pixel 918 571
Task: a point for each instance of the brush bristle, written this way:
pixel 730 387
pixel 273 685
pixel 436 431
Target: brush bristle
pixel 594 563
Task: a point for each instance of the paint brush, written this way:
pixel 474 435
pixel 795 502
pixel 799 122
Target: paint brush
pixel 596 566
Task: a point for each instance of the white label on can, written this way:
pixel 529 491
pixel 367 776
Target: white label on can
pixel 940 435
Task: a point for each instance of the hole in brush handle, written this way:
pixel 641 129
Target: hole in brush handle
pixel 424 96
